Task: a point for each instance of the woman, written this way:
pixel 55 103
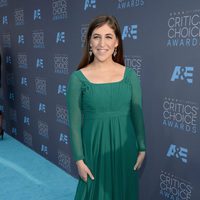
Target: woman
pixel 105 117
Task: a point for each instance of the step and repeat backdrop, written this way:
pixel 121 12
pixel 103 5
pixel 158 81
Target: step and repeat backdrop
pixel 41 44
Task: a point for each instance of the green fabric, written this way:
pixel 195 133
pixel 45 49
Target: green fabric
pixel 106 131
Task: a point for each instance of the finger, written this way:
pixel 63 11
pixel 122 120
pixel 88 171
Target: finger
pixel 84 178
pixel 137 165
pixel 90 174
pixel 83 175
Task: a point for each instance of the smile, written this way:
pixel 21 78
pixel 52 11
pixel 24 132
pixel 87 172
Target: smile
pixel 102 50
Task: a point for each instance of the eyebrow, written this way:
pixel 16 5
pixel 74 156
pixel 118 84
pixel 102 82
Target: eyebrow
pixel 108 34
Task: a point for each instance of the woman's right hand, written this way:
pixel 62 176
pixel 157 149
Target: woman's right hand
pixel 83 170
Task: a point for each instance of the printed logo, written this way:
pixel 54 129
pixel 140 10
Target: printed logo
pixel 3 3
pixel 5 20
pixel 19 17
pixel 60 37
pixel 44 149
pixel 63 138
pixel 178 152
pixel 84 28
pixel 24 81
pixel 38 39
pixel 20 39
pixel 62 89
pixel 22 61
pixel 89 4
pixel 37 14
pixel 28 138
pixel 173 187
pixel 183 29
pixel 43 129
pixel 27 120
pixel 12 96
pixel 183 73
pixel 25 102
pixel 42 107
pixel 14 131
pixel 61 114
pixel 61 64
pixel 123 4
pixel 134 62
pixel 40 63
pixel 41 85
pixel 130 32
pixel 8 60
pixel 59 9
pixel 64 161
pixel 180 114
pixel 6 40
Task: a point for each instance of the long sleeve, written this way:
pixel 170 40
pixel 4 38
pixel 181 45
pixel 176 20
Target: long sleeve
pixel 136 111
pixel 75 116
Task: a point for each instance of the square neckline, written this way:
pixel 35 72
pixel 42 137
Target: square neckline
pixel 106 83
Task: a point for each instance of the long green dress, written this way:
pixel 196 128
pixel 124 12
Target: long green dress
pixel 106 131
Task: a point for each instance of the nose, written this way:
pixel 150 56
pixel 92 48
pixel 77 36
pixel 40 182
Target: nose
pixel 102 42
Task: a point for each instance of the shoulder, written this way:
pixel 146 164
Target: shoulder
pixel 133 77
pixel 74 73
pixel 74 76
pixel 131 71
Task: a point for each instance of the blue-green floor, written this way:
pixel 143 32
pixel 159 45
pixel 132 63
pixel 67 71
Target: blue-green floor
pixel 25 175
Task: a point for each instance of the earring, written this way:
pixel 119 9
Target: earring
pixel 90 52
pixel 115 52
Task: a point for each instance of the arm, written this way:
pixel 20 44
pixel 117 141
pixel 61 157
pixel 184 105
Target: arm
pixel 136 111
pixel 75 123
pixel 74 116
pixel 137 118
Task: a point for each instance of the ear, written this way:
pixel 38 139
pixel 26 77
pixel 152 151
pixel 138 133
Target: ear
pixel 117 43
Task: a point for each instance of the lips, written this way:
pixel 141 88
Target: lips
pixel 102 50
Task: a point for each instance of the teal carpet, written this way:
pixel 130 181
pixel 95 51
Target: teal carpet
pixel 25 175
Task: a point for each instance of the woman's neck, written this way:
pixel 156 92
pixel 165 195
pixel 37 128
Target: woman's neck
pixel 103 65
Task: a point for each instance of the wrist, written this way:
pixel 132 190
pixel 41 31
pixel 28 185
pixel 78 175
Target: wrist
pixel 78 162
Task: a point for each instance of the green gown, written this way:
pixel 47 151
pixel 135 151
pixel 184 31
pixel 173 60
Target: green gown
pixel 106 131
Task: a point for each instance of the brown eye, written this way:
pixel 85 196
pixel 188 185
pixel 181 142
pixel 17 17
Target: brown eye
pixel 96 36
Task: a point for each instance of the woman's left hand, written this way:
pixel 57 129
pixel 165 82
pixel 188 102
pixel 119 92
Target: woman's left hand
pixel 140 158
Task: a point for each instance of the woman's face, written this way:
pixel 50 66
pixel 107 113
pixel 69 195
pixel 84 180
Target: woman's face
pixel 103 42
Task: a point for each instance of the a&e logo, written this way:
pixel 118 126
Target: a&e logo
pixel 5 20
pixel 63 138
pixel 24 81
pixel 183 73
pixel 44 149
pixel 178 152
pixel 40 63
pixel 27 120
pixel 62 89
pixel 20 39
pixel 60 37
pixel 14 130
pixel 8 60
pixel 89 4
pixel 37 14
pixel 42 107
pixel 130 32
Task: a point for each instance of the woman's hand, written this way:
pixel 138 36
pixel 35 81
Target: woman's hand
pixel 83 170
pixel 140 159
